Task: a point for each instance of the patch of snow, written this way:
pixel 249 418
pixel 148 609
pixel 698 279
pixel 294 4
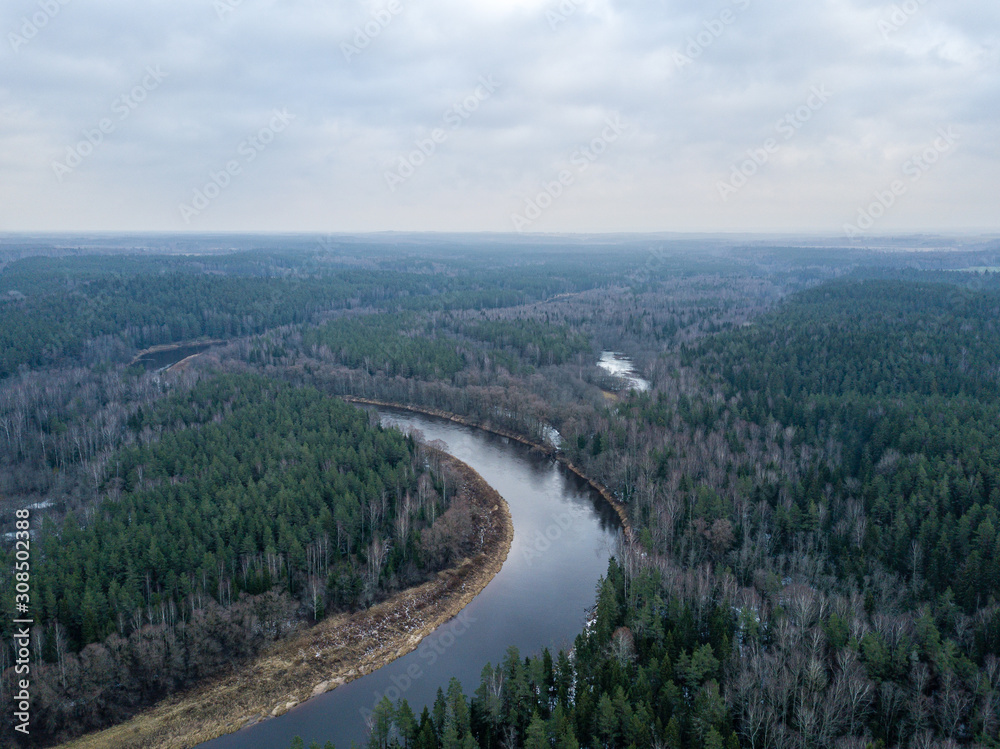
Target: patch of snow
pixel 619 365
pixel 552 436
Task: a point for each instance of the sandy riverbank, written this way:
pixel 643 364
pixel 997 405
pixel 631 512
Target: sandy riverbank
pixel 333 652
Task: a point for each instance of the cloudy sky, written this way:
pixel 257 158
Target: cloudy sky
pixel 500 115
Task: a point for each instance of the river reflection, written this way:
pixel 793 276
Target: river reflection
pixel 564 534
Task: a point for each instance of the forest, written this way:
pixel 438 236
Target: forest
pixel 829 467
pixel 811 476
pixel 646 671
pixel 244 506
pixel 905 377
pixel 53 309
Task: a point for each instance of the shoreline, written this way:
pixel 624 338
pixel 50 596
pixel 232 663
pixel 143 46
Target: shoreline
pixel 183 363
pixel 618 507
pixel 161 347
pixel 329 654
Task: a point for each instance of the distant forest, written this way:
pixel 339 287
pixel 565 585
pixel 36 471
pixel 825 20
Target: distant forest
pixel 812 477
pixel 904 378
pixel 57 310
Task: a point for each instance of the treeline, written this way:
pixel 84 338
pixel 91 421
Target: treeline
pixel 149 310
pixel 58 429
pixel 51 307
pixel 534 341
pixel 257 486
pixel 878 338
pixel 431 347
pixel 389 344
pixel 644 673
pixel 906 378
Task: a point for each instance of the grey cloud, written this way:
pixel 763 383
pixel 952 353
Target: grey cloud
pixel 688 122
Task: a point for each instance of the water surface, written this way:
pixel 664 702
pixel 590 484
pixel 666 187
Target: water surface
pixel 564 534
pixel 168 357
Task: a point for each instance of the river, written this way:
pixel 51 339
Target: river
pixel 564 534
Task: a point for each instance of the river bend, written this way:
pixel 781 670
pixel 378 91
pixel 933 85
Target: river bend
pixel 564 534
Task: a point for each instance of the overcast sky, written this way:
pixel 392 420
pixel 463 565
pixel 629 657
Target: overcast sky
pixel 500 115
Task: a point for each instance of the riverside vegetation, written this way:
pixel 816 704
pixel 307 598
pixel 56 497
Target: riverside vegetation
pixel 811 477
pixel 245 504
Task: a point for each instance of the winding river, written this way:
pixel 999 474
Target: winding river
pixel 564 534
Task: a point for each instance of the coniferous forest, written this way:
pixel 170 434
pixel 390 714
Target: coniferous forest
pixel 812 477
